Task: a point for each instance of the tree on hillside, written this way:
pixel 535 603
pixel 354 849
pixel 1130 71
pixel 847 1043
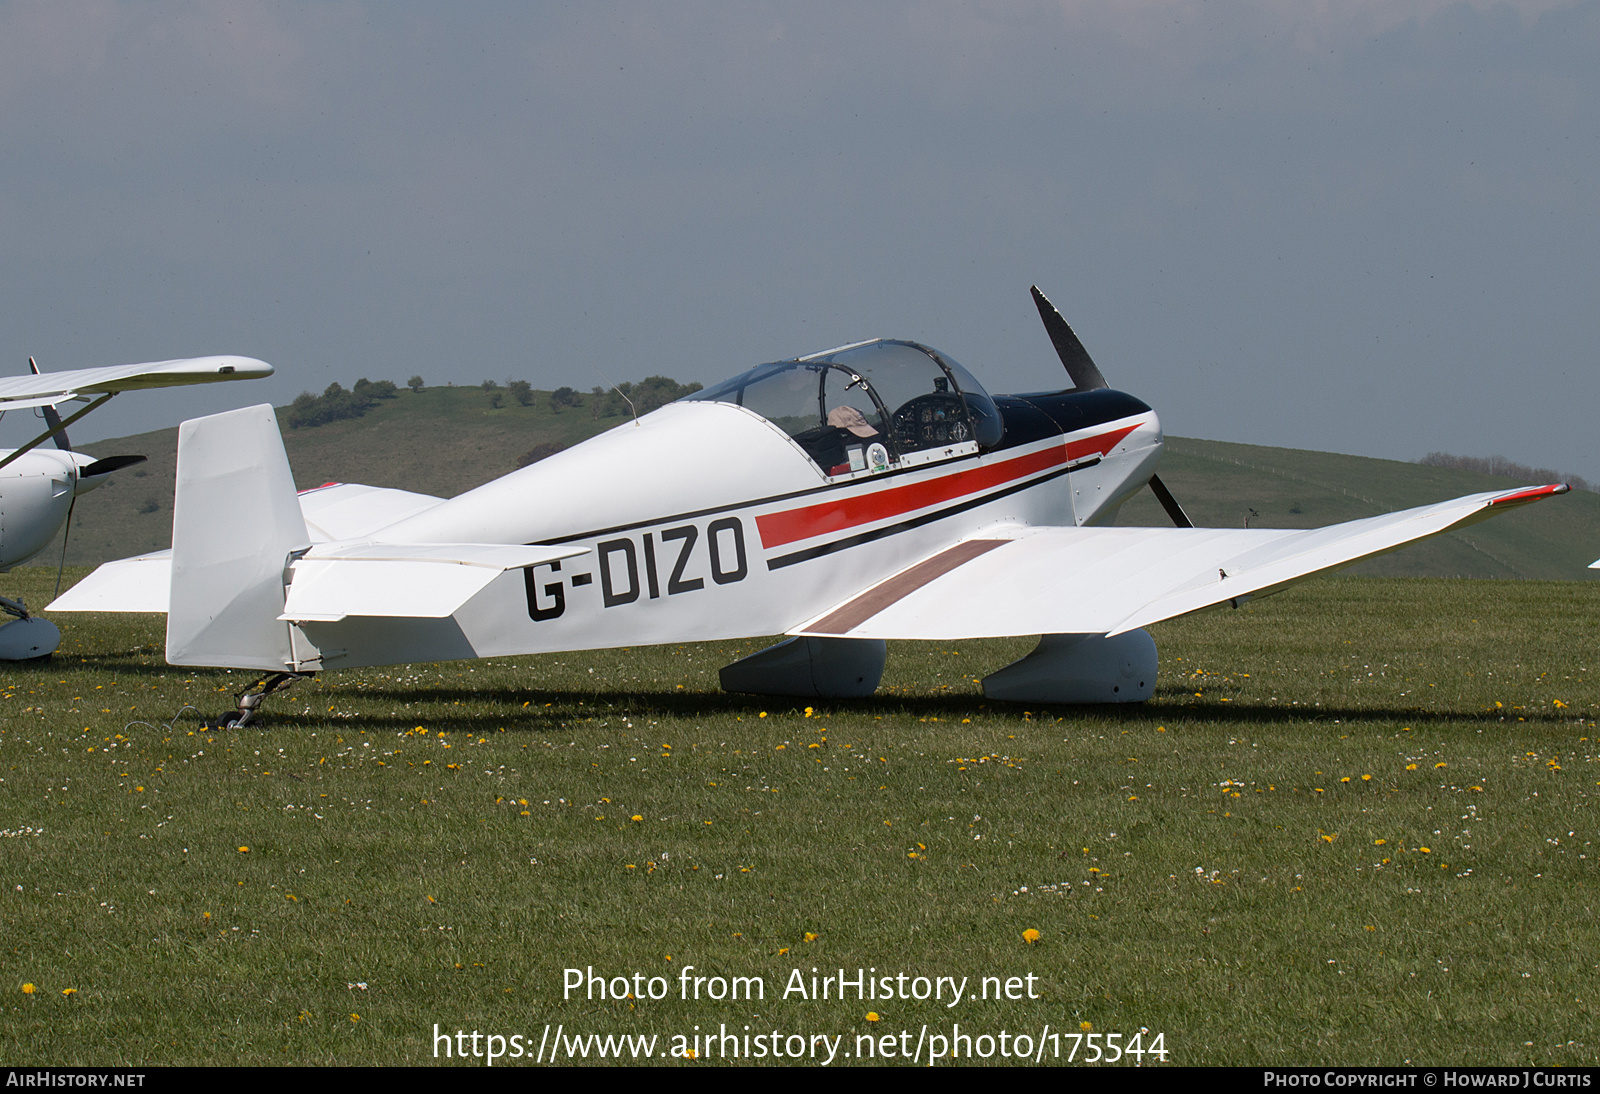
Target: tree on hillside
pixel 563 397
pixel 1499 465
pixel 521 391
pixel 336 404
pixel 415 383
pixel 651 393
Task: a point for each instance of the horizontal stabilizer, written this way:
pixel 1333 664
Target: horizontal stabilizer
pixel 404 580
pixel 1112 580
pixel 138 584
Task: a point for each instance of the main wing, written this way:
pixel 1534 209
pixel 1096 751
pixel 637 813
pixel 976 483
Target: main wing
pixel 54 388
pixel 1113 580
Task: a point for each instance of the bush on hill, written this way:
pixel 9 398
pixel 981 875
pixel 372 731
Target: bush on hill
pixel 651 393
pixel 336 404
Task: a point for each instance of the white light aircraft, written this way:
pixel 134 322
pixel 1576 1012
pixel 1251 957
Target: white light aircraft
pixel 40 487
pixel 868 492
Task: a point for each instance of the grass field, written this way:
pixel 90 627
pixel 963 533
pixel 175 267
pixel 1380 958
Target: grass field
pixel 1356 825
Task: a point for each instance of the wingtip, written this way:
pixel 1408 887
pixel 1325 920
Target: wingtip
pixel 1532 493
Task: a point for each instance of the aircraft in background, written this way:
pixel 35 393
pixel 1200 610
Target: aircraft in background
pixel 869 492
pixel 40 487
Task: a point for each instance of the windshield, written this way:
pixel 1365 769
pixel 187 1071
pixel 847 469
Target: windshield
pixel 868 406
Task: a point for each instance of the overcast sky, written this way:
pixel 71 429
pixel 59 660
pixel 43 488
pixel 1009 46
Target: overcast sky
pixel 1362 227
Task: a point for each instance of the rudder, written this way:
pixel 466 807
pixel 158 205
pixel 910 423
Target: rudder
pixel 236 520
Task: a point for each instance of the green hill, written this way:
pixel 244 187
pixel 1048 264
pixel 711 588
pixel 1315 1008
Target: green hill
pixel 444 440
pixel 1219 484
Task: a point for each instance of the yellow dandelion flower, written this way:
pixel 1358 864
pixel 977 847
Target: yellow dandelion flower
pixel 244 850
pixel 1411 767
pixel 1426 850
pixel 872 1016
pixel 1366 778
pixel 27 989
pixel 811 936
pixel 355 1018
pixel 636 818
pixel 1086 1026
pixel 1030 936
pixel 69 991
pixel 1440 764
pixel 1379 842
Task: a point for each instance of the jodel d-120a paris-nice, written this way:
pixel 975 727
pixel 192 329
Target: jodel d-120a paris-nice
pixel 869 492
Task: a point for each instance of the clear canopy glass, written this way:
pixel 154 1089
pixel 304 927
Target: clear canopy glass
pixel 868 406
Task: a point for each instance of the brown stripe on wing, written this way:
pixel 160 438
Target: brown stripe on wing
pixel 845 619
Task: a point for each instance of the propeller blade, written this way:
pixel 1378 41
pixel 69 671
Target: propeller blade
pixel 110 464
pixel 1080 366
pixel 1169 503
pixel 51 418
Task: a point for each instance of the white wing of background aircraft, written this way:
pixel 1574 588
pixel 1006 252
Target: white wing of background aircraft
pixel 39 487
pixel 868 492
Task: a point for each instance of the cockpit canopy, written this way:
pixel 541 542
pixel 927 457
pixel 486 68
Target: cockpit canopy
pixel 868 407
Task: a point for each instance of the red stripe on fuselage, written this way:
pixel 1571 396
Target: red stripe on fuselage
pixel 838 514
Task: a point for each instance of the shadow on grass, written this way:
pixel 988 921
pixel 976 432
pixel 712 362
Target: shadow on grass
pixel 524 710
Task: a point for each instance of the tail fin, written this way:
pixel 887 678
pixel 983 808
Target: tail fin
pixel 235 522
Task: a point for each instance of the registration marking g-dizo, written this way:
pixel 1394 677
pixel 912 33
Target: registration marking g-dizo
pixel 722 554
